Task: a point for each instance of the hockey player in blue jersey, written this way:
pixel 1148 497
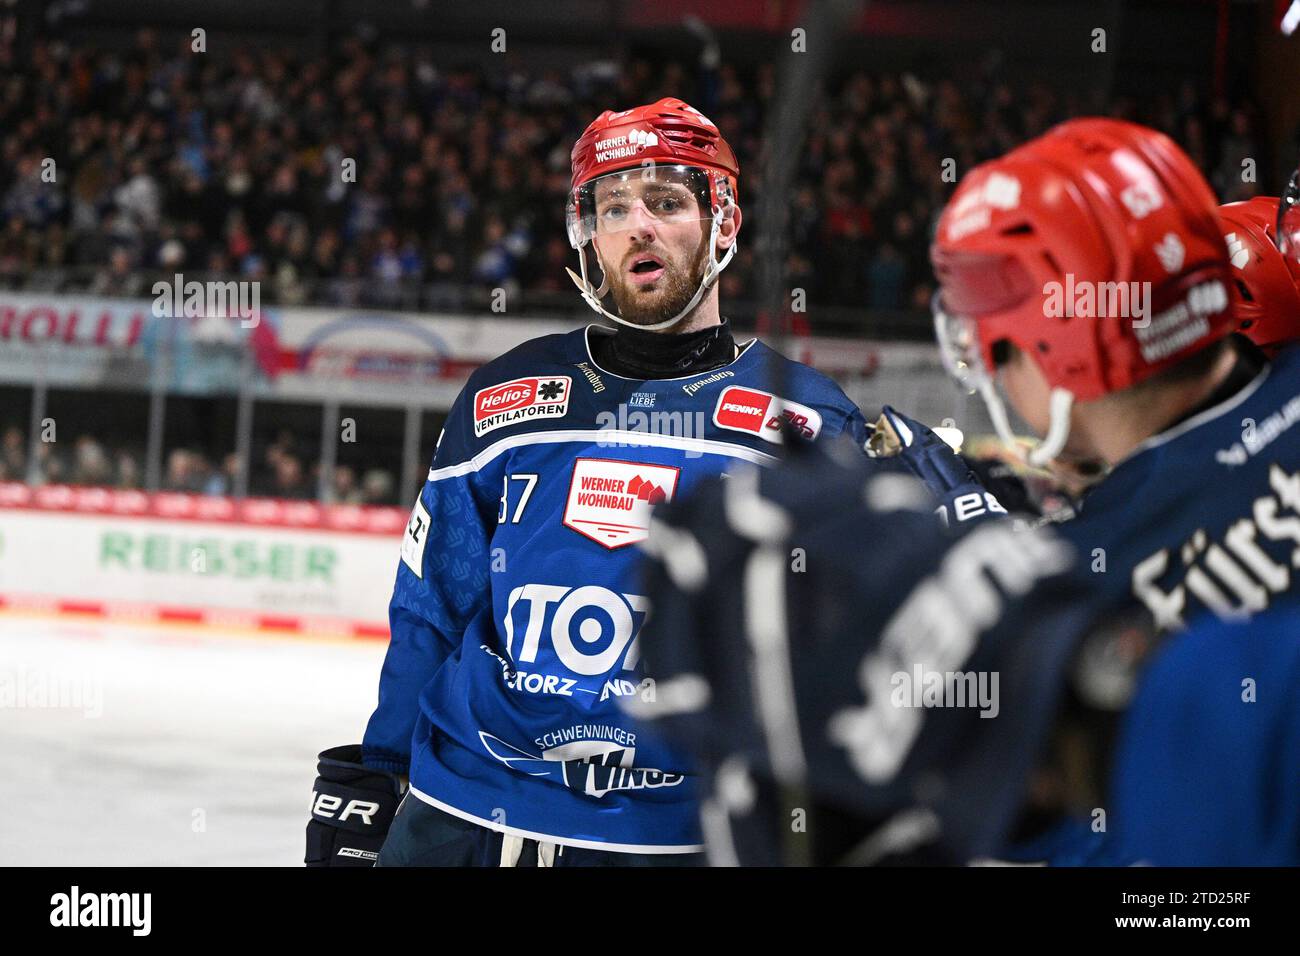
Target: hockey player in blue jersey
pixel 1085 273
pixel 1198 514
pixel 515 615
pixel 784 680
pixel 911 701
pixel 1206 768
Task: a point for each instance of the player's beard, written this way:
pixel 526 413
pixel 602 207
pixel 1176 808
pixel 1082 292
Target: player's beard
pixel 669 295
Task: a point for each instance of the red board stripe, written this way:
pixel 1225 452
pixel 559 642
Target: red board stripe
pixel 81 607
pixel 269 622
pixel 176 506
pixel 216 618
pixel 180 614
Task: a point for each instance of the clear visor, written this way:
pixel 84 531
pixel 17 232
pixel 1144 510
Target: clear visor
pixel 963 359
pixel 646 196
pixel 959 346
pixel 1288 221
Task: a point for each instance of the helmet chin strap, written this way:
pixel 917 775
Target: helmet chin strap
pixel 1058 429
pixel 592 296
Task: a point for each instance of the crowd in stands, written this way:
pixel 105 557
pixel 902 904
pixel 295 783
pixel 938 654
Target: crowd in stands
pixel 166 160
pixel 118 168
pixel 281 471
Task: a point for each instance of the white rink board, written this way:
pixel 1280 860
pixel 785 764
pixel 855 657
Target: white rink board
pixel 270 570
pixel 175 747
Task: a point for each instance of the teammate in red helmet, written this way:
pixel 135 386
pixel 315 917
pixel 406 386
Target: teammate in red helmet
pixel 1085 274
pixel 1266 284
pixel 1078 266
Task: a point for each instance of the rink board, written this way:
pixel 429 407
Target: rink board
pixel 282 572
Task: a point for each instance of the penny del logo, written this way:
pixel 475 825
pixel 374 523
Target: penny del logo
pixel 762 413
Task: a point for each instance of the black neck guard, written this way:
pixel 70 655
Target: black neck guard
pixel 635 353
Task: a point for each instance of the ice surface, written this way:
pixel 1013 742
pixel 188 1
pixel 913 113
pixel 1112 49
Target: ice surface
pixel 147 745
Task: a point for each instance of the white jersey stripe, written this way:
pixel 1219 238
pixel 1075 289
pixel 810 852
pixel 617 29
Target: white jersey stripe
pixel 609 436
pixel 1213 412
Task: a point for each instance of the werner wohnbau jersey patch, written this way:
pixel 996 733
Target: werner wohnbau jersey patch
pixel 610 501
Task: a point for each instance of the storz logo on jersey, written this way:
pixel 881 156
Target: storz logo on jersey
pixel 587 630
pixel 609 501
pixel 760 413
pixel 519 400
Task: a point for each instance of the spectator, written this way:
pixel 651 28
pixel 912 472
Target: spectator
pixel 128 470
pixel 377 487
pixel 345 490
pixel 91 464
pixel 885 277
pixel 348 178
pixel 120 278
pixel 51 469
pixel 186 471
pixel 13 454
pixel 139 199
pixel 289 481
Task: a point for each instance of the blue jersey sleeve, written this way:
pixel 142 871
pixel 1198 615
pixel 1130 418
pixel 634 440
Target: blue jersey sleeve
pixel 442 582
pixel 856 428
pixel 1207 770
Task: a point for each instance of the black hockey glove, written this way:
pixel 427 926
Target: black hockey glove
pixel 961 495
pixel 352 807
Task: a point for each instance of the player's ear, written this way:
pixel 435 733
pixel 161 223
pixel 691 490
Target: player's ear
pixel 729 226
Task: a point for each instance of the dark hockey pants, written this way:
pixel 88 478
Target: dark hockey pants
pixel 423 835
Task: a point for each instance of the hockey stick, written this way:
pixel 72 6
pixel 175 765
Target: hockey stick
pixel 801 73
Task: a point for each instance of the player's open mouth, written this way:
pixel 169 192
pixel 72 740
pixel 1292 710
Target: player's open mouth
pixel 646 269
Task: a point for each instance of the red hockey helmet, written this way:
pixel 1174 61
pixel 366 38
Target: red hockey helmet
pixel 668 132
pixel 1287 230
pixel 665 147
pixel 1096 250
pixel 1266 285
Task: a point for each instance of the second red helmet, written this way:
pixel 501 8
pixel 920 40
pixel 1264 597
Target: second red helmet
pixel 1266 284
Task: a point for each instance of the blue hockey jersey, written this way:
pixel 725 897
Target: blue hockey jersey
pixel 1205 516
pixel 1202 521
pixel 516 610
pixel 1207 768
